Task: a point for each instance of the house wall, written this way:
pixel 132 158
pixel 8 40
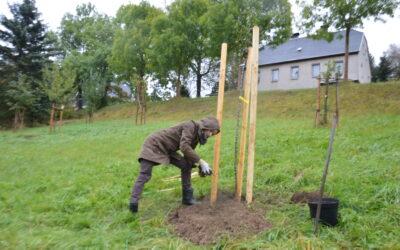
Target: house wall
pixel 364 69
pixel 305 79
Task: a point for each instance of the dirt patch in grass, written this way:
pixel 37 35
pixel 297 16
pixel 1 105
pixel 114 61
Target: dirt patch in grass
pixel 28 136
pixel 304 197
pixel 202 224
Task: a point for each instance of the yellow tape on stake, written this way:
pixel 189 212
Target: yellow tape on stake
pixel 243 99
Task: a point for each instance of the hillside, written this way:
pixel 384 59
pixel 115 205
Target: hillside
pixel 355 100
pixel 70 189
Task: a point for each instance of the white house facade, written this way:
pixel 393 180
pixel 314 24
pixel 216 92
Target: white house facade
pixel 298 63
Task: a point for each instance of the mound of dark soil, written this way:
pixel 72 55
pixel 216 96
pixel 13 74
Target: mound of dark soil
pixel 202 224
pixel 304 197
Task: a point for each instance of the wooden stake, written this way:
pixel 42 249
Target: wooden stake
pixel 243 131
pixel 318 110
pixel 253 115
pixel 221 87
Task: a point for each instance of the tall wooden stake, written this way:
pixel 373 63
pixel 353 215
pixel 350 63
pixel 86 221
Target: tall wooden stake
pixel 221 87
pixel 318 110
pixel 253 115
pixel 243 131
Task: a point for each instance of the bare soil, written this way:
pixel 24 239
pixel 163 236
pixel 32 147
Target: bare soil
pixel 304 197
pixel 202 224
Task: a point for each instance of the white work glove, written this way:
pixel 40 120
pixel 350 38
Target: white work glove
pixel 204 168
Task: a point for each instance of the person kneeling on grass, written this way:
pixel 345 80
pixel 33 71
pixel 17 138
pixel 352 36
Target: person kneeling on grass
pixel 162 148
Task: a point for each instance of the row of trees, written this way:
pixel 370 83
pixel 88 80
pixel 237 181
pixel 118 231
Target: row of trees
pixel 389 65
pixel 92 54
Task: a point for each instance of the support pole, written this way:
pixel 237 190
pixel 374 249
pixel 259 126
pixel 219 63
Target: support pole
pixel 337 99
pixel 321 189
pixel 221 87
pixel 243 131
pixel 318 110
pixel 253 115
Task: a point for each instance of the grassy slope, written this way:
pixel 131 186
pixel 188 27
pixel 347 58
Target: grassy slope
pixel 70 189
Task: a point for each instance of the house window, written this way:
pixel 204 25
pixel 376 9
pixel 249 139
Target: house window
pixel 294 72
pixel 275 75
pixel 315 70
pixel 339 67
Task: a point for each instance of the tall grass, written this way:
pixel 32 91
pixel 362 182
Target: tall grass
pixel 70 189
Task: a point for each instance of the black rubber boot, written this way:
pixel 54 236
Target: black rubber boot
pixel 133 207
pixel 187 197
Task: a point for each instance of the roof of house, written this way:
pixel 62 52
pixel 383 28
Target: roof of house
pixel 297 49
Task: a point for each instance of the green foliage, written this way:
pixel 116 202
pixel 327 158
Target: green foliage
pixel 384 69
pixel 170 51
pixel 320 16
pixel 58 83
pixel 129 57
pixel 189 19
pixel 25 48
pixel 329 72
pixel 231 21
pixel 93 91
pixel 86 39
pixel 20 95
pixel 71 190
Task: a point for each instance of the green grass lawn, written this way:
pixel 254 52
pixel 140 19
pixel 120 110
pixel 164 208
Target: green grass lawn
pixel 70 189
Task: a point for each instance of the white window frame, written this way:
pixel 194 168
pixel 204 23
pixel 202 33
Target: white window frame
pixel 272 75
pixel 291 73
pixel 312 70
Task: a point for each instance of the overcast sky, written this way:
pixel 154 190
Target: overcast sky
pixel 379 35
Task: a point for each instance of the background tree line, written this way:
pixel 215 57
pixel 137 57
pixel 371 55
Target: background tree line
pixel 146 53
pixel 94 57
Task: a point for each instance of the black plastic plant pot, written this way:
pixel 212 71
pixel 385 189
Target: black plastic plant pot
pixel 329 210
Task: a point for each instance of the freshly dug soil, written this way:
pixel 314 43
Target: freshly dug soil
pixel 202 224
pixel 304 197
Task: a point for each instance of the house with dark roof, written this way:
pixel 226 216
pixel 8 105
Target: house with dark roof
pixel 297 63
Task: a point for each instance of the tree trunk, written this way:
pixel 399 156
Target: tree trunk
pixel 51 123
pixel 198 78
pixel 79 99
pixel 325 119
pixel 141 102
pixel 198 85
pixel 144 107
pixel 21 119
pixel 346 55
pixel 16 118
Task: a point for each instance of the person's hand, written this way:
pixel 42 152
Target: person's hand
pixel 204 168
